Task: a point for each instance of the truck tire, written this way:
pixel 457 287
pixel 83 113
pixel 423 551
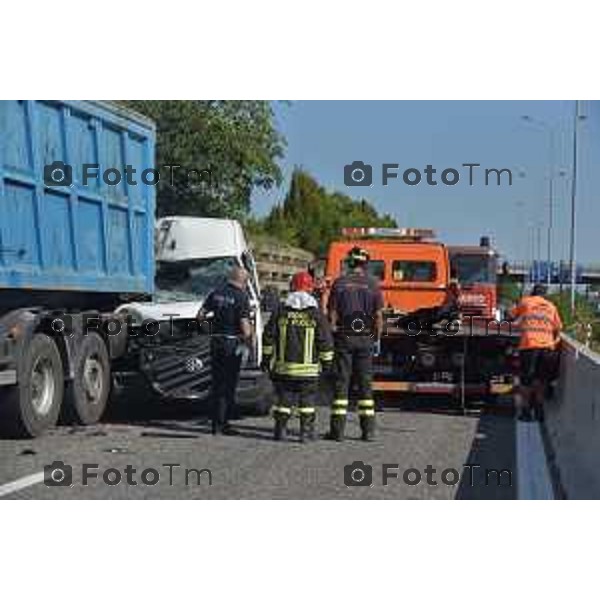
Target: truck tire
pixel 87 394
pixel 33 406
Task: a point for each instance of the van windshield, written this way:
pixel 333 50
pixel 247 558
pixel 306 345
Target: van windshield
pixel 190 280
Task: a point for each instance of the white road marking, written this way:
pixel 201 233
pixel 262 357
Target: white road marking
pixel 19 484
pixel 533 475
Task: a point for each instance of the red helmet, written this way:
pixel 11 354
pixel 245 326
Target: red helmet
pixel 302 282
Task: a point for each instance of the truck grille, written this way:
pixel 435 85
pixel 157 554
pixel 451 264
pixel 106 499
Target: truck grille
pixel 475 310
pixel 181 370
pixel 473 303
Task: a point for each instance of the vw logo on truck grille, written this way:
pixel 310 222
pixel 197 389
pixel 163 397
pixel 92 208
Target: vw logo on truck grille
pixel 194 365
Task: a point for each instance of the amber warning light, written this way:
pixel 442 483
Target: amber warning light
pixel 411 233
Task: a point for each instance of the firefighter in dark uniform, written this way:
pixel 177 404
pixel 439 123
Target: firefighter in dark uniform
pixel 355 311
pixel 231 335
pixel 297 345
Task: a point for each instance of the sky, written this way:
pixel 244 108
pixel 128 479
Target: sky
pixel 324 136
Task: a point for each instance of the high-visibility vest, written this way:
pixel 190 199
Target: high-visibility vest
pixel 538 321
pixel 297 342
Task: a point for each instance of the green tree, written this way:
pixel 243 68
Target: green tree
pixel 584 311
pixel 509 292
pixel 311 217
pixel 235 140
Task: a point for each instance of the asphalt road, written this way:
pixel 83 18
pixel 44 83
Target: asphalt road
pixel 252 465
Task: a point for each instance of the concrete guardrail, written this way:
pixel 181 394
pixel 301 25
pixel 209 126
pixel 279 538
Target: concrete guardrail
pixel 573 421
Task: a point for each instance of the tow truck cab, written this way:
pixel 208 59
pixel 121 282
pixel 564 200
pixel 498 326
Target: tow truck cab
pixel 475 269
pixel 413 273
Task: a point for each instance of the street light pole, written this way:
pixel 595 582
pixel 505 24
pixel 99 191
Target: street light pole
pixel 550 224
pixel 551 161
pixel 572 239
pixel 551 149
pixel 538 232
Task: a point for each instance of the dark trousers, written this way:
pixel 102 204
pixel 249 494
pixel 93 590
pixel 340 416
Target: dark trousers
pixel 536 365
pixel 226 366
pixel 296 392
pixel 353 356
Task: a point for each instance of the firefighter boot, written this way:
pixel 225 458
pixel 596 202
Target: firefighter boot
pixel 367 425
pixel 339 409
pixel 366 412
pixel 337 428
pixel 307 427
pixel 280 429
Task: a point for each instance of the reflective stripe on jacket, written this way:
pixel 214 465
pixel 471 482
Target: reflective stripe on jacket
pixel 297 342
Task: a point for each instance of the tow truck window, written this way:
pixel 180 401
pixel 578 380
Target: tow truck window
pixel 414 270
pixel 474 269
pixel 375 268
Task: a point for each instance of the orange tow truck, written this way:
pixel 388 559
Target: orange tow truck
pixel 429 345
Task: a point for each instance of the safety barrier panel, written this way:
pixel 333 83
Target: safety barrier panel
pixel 573 421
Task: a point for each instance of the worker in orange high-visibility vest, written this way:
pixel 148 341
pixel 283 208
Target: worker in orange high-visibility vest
pixel 540 325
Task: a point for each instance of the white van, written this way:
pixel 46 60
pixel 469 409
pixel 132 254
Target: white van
pixel 193 256
pixel 209 248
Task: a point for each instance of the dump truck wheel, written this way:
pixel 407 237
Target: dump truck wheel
pixel 33 406
pixel 87 394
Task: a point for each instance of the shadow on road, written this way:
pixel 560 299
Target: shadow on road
pixel 493 449
pixel 441 404
pixel 175 419
pixel 493 446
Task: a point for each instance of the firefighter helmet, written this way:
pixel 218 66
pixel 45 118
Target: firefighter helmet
pixel 358 256
pixel 302 282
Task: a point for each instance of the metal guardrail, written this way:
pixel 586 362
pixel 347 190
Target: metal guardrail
pixel 573 421
pixel 593 268
pixel 586 273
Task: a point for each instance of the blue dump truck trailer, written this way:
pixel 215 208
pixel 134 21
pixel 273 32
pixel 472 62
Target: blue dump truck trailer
pixel 76 241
